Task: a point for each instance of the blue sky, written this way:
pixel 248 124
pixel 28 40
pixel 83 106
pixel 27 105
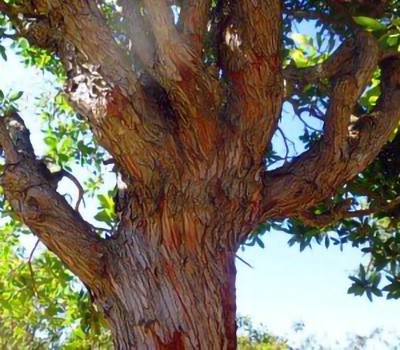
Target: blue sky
pixel 284 286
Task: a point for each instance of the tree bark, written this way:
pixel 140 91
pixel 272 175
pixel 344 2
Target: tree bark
pixel 177 294
pixel 189 140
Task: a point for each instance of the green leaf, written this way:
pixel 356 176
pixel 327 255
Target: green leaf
pixel 64 144
pixel 103 216
pixel 51 141
pixel 3 52
pixel 376 291
pixel 63 158
pixel 356 280
pixel 106 201
pixel 369 23
pixel 301 39
pixel 392 40
pixel 259 242
pixel 23 43
pixel 362 273
pixel 327 241
pixel 299 59
pixel 356 290
pixel 15 96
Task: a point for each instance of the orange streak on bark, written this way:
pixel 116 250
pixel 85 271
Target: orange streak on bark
pixel 116 103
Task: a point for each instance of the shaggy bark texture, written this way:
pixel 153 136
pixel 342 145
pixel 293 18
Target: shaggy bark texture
pixel 189 140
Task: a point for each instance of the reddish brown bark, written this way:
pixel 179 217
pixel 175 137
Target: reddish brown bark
pixel 177 294
pixel 189 141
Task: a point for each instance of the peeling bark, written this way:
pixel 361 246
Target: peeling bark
pixel 43 210
pixel 189 140
pixel 293 188
pixel 158 294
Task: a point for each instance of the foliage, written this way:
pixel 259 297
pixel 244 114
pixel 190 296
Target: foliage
pixel 42 305
pixel 375 233
pixel 252 338
pixel 260 338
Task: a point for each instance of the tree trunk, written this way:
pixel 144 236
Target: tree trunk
pixel 171 294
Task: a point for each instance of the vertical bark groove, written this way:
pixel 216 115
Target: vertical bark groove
pixel 177 295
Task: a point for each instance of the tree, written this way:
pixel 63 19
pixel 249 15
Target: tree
pixel 260 338
pixel 186 96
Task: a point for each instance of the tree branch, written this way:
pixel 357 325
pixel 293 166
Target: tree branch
pixel 250 59
pixel 131 124
pixel 84 20
pixel 336 23
pixel 46 212
pixel 193 22
pixel 163 52
pixel 139 32
pixel 166 36
pixel 328 68
pixel 55 25
pixel 315 175
pixel 188 84
pixel 35 292
pixel 138 139
pixel 341 212
pixel 348 84
pixel 369 8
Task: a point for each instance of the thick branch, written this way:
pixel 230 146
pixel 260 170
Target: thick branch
pixel 193 20
pixel 130 123
pixel 139 33
pixel 166 36
pixel 334 215
pixel 139 140
pixel 336 23
pixel 189 85
pixel 314 176
pixel 333 65
pixel 250 58
pixel 341 212
pixel 348 84
pixel 168 59
pixel 101 82
pixel 369 8
pixel 46 212
pixel 84 20
pixel 57 24
pixel 328 68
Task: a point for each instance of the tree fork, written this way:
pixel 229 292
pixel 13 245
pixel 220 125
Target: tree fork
pixel 46 212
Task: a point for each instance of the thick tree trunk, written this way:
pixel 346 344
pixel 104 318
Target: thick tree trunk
pixel 171 294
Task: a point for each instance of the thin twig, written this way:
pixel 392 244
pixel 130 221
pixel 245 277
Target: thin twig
pixel 382 208
pixel 31 269
pixel 244 261
pixel 306 124
pixel 285 142
pixel 340 213
pixel 315 16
